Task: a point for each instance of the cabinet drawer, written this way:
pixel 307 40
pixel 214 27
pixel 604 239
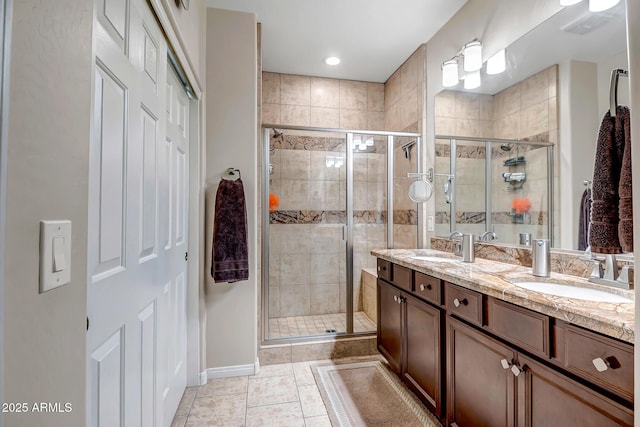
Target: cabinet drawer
pixel 428 288
pixel 384 269
pixel 524 328
pixel 401 277
pixel 601 360
pixel 463 303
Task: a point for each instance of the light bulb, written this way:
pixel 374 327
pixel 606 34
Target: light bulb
pixel 450 73
pixel 362 146
pixel 472 80
pixel 497 63
pixel 332 60
pixel 601 5
pixel 472 56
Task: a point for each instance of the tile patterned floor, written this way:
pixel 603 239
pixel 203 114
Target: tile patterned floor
pixel 318 324
pixel 284 395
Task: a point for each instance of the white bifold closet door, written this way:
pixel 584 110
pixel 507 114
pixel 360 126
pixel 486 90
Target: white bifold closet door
pixel 138 204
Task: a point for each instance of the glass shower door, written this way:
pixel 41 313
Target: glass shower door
pixel 307 233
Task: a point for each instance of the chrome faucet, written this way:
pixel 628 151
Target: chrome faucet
pixel 488 235
pixel 457 243
pixel 609 275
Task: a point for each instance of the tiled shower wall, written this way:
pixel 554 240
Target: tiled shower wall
pixel 527 111
pixel 307 250
pixel 403 112
pixel 321 102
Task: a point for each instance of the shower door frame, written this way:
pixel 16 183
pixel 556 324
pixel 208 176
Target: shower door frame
pixel 453 140
pixel 348 223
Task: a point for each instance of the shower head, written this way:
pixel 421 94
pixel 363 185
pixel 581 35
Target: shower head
pixel 276 133
pixel 505 147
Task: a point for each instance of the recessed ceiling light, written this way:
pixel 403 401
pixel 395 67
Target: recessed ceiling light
pixel 332 60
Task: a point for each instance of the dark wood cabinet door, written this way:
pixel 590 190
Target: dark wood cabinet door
pixel 480 391
pixel 423 361
pixel 548 398
pixel 390 324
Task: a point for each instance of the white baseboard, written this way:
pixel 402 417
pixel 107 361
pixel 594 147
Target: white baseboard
pixel 230 371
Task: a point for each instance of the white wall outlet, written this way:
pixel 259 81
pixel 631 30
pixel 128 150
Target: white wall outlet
pixel 430 226
pixel 55 254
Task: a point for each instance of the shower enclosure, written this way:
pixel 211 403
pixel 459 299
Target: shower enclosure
pixel 494 185
pixel 328 194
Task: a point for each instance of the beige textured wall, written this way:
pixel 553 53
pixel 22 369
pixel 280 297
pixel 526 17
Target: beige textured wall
pixel 529 107
pixel 403 112
pixel 464 114
pixel 321 102
pixel 231 330
pixel 48 151
pixel 403 94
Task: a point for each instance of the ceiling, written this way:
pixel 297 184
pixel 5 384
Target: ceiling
pixel 371 37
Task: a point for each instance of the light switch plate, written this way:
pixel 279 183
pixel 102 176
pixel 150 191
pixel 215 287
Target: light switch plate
pixel 55 254
pixel 430 226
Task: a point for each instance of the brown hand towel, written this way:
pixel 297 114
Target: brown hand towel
pixel 625 208
pixel 230 248
pixel 603 232
pixel 585 214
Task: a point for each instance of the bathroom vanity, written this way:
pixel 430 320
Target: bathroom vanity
pixel 478 350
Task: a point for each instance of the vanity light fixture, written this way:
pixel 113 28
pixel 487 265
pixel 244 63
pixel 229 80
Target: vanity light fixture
pixel 472 80
pixel 332 60
pixel 450 73
pixel 472 53
pixel 497 63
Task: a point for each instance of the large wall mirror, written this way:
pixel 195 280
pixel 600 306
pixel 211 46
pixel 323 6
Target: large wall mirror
pixel 524 142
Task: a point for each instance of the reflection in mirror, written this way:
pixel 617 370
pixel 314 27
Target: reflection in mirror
pixel 497 189
pixel 555 90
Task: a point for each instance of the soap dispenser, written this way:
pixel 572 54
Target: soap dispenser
pixel 541 258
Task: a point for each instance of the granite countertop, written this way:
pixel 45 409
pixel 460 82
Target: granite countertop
pixel 493 278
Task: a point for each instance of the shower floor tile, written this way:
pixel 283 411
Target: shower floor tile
pixel 282 327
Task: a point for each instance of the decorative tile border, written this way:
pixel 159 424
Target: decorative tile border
pixel 400 217
pixel 480 152
pixel 317 143
pixel 462 217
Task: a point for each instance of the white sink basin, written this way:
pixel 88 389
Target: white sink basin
pixel 569 291
pixel 433 259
